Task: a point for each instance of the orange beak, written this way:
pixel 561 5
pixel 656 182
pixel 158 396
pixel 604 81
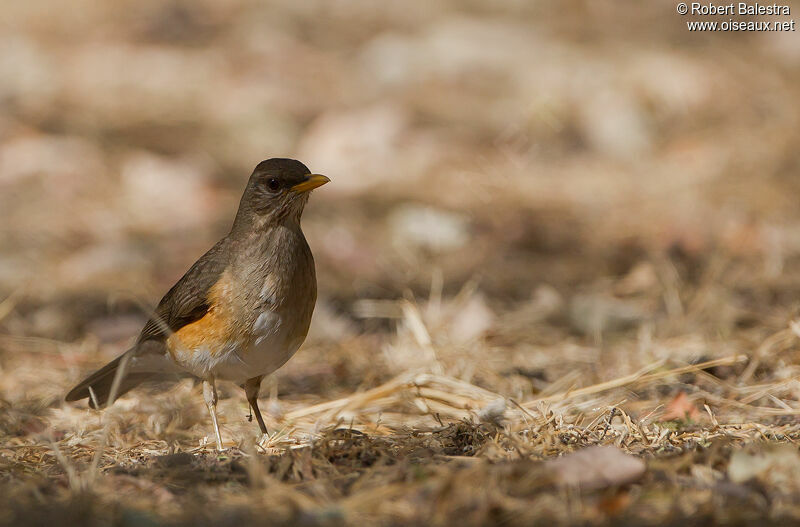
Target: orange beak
pixel 311 182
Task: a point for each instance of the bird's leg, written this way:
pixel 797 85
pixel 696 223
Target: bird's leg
pixel 210 395
pixel 251 388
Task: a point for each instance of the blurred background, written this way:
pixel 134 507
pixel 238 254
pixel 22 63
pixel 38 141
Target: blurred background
pixel 536 153
pixel 557 193
pixel 462 139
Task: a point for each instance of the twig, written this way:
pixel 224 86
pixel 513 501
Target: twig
pixel 122 369
pixel 608 423
pixel 639 377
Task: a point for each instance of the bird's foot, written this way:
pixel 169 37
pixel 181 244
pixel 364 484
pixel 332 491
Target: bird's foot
pixel 206 443
pixel 265 440
pixel 278 441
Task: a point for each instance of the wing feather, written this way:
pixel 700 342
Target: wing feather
pixel 187 301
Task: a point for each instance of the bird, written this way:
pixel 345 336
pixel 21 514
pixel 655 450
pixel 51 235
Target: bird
pixel 241 311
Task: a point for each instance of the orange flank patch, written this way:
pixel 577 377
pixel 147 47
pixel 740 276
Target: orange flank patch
pixel 209 333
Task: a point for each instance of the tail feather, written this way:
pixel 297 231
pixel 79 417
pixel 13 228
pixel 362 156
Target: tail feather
pixel 101 382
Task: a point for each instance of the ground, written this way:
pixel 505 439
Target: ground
pixel 558 262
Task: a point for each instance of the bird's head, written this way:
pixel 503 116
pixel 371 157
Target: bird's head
pixel 277 190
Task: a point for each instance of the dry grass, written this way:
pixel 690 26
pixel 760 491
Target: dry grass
pixel 417 447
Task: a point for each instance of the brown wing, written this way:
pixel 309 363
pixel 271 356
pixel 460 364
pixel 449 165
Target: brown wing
pixel 187 301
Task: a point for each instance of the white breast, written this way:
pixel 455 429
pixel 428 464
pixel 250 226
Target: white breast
pixel 269 349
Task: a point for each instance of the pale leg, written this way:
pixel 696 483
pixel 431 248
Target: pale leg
pixel 210 395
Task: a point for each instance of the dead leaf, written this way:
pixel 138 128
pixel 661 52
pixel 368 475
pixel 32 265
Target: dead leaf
pixel 592 314
pixel 680 408
pixel 776 465
pixel 615 504
pixel 596 467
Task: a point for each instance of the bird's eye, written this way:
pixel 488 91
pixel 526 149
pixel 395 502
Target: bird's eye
pixel 273 184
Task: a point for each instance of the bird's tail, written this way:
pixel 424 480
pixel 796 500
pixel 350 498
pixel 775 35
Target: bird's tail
pixel 97 386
